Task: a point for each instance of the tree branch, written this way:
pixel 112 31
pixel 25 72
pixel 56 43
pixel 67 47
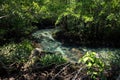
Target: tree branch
pixel 3 16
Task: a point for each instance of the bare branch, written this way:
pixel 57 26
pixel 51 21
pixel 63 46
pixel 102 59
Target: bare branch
pixel 70 74
pixel 60 71
pixel 78 72
pixel 3 16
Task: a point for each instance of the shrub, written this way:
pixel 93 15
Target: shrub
pixel 15 53
pixel 95 66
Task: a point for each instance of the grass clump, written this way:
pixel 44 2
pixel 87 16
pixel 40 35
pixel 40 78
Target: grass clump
pixel 48 60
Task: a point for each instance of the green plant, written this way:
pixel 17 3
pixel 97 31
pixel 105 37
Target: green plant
pixel 95 66
pixel 15 53
pixel 48 60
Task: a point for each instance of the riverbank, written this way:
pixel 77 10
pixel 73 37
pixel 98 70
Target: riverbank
pixel 18 55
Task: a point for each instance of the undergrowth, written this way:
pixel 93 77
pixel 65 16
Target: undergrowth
pixel 15 53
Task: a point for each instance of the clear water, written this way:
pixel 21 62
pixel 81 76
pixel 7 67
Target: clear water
pixel 72 53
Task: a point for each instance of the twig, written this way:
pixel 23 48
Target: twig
pixel 70 74
pixel 60 71
pixel 78 72
pixel 12 64
pixel 60 65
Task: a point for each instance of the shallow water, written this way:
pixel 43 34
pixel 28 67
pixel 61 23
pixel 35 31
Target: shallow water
pixel 72 53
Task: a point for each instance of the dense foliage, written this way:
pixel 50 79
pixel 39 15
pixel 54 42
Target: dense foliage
pixel 90 21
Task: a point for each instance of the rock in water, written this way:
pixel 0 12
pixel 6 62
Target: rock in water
pixel 77 52
pixel 36 44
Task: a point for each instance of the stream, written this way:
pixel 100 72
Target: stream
pixel 72 53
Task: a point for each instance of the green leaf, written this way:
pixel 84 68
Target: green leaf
pixel 89 64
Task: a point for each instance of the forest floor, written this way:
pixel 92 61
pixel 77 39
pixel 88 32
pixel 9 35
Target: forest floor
pixel 66 71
